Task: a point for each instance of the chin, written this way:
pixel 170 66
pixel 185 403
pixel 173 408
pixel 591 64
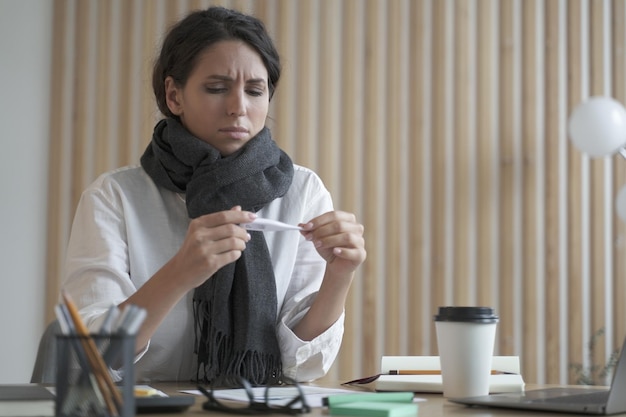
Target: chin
pixel 230 150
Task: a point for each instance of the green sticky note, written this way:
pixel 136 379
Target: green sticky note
pixel 388 397
pixel 374 409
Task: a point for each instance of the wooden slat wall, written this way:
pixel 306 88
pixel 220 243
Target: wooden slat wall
pixel 441 123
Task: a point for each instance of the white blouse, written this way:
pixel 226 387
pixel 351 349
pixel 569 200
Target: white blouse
pixel 126 228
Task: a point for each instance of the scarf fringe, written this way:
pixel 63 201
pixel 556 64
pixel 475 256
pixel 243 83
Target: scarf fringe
pixel 220 365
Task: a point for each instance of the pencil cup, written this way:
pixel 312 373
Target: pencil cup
pixel 95 376
pixel 465 339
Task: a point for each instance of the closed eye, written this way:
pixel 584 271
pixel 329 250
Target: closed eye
pixel 256 93
pixel 215 90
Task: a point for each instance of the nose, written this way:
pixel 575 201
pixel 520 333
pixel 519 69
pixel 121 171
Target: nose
pixel 236 105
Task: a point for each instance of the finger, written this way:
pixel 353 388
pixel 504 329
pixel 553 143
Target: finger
pixel 343 240
pixel 226 258
pixel 350 254
pixel 225 217
pixel 222 246
pixel 202 233
pixel 333 230
pixel 329 217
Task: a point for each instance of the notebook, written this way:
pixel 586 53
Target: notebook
pixel 20 400
pixel 581 400
pixel 509 380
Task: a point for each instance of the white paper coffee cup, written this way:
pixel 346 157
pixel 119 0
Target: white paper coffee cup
pixel 465 339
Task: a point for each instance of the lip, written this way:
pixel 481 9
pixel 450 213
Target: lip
pixel 235 132
pixel 237 129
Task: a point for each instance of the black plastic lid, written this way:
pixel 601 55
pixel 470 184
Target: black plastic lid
pixel 467 314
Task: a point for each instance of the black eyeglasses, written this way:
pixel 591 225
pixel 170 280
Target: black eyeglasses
pixel 273 400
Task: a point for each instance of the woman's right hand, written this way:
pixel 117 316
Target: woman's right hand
pixel 212 241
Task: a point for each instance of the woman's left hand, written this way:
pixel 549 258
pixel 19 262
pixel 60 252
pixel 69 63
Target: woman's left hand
pixel 338 238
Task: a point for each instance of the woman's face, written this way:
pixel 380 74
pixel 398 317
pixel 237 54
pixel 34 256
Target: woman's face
pixel 226 98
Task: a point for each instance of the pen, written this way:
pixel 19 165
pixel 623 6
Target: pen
pixel 111 315
pixel 100 371
pixel 67 328
pixel 434 372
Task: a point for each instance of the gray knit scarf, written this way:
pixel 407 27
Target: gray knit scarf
pixel 235 311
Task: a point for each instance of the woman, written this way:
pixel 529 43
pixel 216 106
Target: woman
pixel 223 302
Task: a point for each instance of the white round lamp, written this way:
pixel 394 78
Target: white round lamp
pixel 597 126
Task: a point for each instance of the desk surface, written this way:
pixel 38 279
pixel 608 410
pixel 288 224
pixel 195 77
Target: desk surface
pixel 434 406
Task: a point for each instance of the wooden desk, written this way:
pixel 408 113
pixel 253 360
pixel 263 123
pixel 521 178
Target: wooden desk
pixel 434 406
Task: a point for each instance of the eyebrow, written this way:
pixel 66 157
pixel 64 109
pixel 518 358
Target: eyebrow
pixel 227 78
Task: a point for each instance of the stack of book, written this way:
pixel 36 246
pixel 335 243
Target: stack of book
pixel 19 400
pixel 423 374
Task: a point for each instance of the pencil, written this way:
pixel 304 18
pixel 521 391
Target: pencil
pixel 100 370
pixel 430 372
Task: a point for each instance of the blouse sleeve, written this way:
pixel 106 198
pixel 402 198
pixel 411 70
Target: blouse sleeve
pixel 308 360
pixel 97 271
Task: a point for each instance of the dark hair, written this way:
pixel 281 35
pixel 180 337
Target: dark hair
pixel 199 30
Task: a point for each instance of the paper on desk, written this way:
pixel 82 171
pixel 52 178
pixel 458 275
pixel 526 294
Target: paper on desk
pixel 512 382
pixel 279 395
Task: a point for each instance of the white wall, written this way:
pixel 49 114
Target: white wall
pixel 25 62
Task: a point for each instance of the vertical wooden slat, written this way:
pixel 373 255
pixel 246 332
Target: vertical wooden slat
pixel 486 145
pixel 266 10
pixel 149 110
pixel 350 171
pixel 402 162
pixel 81 96
pixel 396 86
pixel 245 6
pixel 327 140
pixel 197 4
pixel 539 325
pixel 103 88
pixel 575 237
pixel 619 92
pixel 461 156
pixel 58 219
pixel 507 159
pixel 285 133
pixel 125 85
pixel 552 191
pixel 530 162
pixel 139 67
pixel 90 99
pixel 596 212
pixel 439 158
pixel 114 76
pixel 373 337
pixel 307 89
pixel 427 174
pixel 171 11
pixel 418 312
